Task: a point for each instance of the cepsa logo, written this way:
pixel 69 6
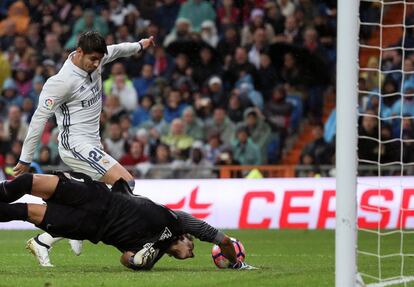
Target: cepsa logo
pixel 198 210
pixel 304 209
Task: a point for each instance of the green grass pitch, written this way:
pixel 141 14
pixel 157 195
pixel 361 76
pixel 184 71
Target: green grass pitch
pixel 285 258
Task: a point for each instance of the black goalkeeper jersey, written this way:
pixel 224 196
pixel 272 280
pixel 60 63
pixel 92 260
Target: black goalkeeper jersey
pixel 133 221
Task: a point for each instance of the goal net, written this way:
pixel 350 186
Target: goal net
pixel 385 186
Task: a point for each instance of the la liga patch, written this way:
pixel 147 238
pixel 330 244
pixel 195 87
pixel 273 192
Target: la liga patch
pixel 48 104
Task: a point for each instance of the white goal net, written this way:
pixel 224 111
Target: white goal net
pixel 385 252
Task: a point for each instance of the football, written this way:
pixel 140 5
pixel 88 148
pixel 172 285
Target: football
pixel 221 261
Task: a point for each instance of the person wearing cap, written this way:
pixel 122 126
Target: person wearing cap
pixel 256 21
pixel 216 91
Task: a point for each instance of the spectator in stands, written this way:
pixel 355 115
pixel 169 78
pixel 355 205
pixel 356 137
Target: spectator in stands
pixel 278 111
pixel 156 121
pixel 330 127
pixel 117 12
pixel 166 14
pixel 22 79
pixel 112 108
pixel 142 83
pixel 53 49
pixel 390 150
pixel 181 32
pixel 135 154
pixel 228 13
pixel 235 108
pixel 247 91
pixel 291 33
pixel 161 61
pixel 228 43
pixel 193 125
pixel 368 147
pixel 126 93
pixel 239 64
pixel 18 14
pixel 174 106
pixel 45 157
pixel 256 22
pixel 197 11
pixel 28 109
pixel 258 129
pixel 142 112
pixel 244 149
pixel 274 17
pixel 222 124
pixel 214 147
pixel 287 7
pixel 408 137
pixel 178 141
pixel 117 68
pixel 160 165
pixel 89 21
pixel 197 166
pixel 20 51
pixel 216 92
pixel 209 33
pixel 318 149
pixel 126 128
pixel 14 127
pixel 268 77
pixel 208 66
pixel 115 143
pixel 259 45
pixel 290 71
pixel 405 104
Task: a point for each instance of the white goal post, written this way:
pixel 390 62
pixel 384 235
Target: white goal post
pixel 374 256
pixel 346 143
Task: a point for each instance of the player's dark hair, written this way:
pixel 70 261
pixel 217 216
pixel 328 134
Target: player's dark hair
pixel 92 41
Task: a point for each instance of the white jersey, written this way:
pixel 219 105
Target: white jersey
pixel 75 97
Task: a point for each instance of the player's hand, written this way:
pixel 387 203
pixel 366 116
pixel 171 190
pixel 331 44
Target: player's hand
pixel 145 257
pixel 21 168
pixel 147 42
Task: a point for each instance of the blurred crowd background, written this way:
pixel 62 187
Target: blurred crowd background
pixel 229 82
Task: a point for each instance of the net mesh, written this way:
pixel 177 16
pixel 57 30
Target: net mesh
pixel 386 143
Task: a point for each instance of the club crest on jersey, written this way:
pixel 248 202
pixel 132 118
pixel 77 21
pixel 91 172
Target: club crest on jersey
pixel 48 104
pixel 166 234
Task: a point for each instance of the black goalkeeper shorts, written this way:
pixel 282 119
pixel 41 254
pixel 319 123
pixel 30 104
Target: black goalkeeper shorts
pixel 76 209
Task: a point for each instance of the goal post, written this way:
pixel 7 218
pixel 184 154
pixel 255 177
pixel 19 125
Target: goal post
pixel 346 143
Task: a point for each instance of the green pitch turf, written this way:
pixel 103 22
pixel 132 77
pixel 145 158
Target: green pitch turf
pixel 285 258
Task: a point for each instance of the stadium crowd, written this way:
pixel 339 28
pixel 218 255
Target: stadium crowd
pixel 228 82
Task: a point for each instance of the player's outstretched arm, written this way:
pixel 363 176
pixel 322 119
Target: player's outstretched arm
pixel 127 49
pixel 52 96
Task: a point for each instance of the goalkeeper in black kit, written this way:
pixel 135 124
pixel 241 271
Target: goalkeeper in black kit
pixel 81 208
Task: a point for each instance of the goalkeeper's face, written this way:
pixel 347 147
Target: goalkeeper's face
pixel 182 248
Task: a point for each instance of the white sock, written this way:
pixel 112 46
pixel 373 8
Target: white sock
pixel 48 239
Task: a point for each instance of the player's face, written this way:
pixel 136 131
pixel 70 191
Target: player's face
pixel 182 248
pixel 90 62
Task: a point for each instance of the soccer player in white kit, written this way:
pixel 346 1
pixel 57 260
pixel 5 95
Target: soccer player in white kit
pixel 74 96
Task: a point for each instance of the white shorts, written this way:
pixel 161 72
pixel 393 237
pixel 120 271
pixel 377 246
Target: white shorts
pixel 88 159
